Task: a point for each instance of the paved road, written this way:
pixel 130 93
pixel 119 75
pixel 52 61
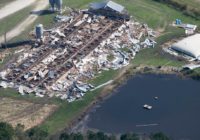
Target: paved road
pixel 14 7
pixel 18 29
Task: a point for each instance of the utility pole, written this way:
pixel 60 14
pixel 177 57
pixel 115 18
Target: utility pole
pixel 5 40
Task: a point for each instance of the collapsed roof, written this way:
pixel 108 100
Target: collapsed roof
pixel 189 46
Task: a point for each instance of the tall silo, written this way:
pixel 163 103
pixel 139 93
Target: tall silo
pixel 59 4
pixel 39 31
pixel 52 3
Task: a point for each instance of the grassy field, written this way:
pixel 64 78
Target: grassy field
pixel 190 3
pixel 23 112
pixel 156 15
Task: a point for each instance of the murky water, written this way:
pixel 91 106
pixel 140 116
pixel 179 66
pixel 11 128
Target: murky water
pixel 176 112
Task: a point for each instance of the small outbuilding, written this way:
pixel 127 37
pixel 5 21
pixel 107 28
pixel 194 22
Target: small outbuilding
pixel 107 5
pixel 109 9
pixel 189 46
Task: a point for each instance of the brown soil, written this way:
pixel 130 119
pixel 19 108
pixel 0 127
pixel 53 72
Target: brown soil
pixel 23 112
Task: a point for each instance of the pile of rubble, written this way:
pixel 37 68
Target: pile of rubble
pixel 74 51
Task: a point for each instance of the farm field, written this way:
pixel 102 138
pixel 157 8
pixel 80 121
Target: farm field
pixel 23 112
pixel 190 3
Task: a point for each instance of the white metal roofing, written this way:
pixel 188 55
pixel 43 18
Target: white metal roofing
pixel 189 46
pixel 115 6
pixel 99 5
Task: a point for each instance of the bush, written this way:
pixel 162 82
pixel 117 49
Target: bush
pixel 6 131
pixel 159 136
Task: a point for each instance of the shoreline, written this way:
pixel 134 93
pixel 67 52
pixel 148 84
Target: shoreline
pixel 124 75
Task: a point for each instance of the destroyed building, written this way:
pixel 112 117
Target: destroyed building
pixel 75 50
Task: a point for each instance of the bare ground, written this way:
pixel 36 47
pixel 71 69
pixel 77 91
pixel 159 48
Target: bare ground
pixel 22 112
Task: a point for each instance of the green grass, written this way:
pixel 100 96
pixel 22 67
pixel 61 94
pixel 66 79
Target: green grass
pixel 11 93
pixel 155 56
pixel 156 15
pixel 191 4
pixel 68 111
pixel 103 77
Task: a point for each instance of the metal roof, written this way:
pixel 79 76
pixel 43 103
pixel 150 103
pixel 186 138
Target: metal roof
pixel 98 5
pixel 117 7
pixel 114 6
pixel 189 46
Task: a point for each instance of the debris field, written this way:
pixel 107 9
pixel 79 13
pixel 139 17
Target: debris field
pixel 74 51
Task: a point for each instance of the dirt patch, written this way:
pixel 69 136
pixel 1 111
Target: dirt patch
pixel 22 112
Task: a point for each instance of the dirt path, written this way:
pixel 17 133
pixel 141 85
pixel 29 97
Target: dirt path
pixel 14 7
pixel 42 4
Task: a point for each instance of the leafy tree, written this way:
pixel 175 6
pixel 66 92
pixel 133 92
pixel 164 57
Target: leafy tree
pixel 77 136
pixel 101 136
pixel 112 137
pixel 37 134
pixel 19 133
pixel 91 135
pixel 97 136
pixel 6 131
pixel 72 136
pixel 159 136
pixel 129 136
pixel 64 136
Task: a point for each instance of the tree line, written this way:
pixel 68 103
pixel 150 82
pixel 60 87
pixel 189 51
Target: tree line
pixel 7 132
pixel 186 9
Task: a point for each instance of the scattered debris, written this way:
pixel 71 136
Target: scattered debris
pixel 189 28
pixel 80 46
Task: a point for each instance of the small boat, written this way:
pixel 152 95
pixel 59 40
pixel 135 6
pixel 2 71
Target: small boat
pixel 156 98
pixel 147 107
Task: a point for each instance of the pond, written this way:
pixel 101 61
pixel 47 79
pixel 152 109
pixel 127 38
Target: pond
pixel 176 112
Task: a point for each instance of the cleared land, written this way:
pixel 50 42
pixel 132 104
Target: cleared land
pixel 23 112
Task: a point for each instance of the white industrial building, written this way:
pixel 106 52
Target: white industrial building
pixel 189 46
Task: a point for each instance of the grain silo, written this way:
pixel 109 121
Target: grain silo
pixel 59 4
pixel 39 31
pixel 52 3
